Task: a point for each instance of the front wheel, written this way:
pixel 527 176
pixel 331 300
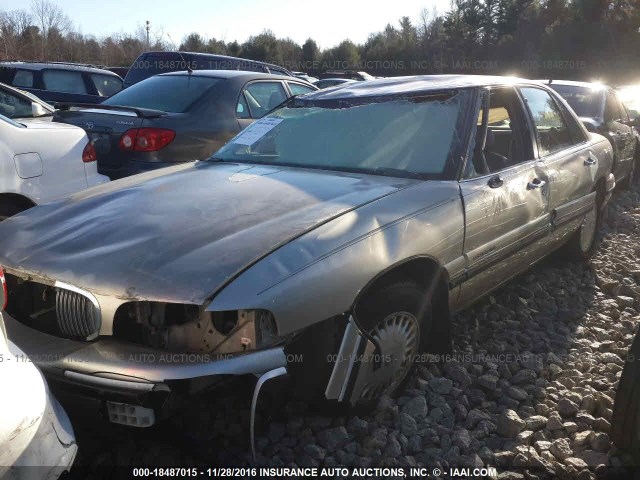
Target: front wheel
pixel 397 318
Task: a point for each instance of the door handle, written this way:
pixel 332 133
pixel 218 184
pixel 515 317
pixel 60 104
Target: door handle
pixel 536 183
pixel 592 160
pixel 496 181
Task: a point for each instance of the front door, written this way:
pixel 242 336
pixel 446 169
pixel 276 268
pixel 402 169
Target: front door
pixel 506 197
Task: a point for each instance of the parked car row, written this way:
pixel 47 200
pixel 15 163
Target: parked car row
pixel 346 223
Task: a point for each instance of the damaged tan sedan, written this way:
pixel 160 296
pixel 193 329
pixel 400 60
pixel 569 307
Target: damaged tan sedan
pixel 330 240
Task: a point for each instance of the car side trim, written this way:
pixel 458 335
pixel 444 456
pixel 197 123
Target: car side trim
pixel 571 210
pixel 496 256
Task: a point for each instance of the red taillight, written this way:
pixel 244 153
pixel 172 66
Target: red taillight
pixel 89 153
pixel 5 296
pixel 146 139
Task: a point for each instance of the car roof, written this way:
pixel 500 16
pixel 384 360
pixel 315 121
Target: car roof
pixel 572 83
pixel 58 65
pixel 229 74
pixel 403 85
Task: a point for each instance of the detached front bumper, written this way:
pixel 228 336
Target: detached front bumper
pixel 111 369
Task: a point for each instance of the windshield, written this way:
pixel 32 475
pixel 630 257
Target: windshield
pixel 171 93
pixel 586 102
pixel 409 137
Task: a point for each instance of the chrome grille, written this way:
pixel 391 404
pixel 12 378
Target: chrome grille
pixel 78 315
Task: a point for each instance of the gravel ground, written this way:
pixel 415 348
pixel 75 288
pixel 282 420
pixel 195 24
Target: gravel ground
pixel 530 387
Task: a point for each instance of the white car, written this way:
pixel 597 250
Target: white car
pixel 36 436
pixel 40 160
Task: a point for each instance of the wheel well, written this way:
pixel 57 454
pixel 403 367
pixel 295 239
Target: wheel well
pixel 434 279
pixel 17 200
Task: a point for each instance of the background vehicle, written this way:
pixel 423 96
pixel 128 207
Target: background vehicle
pixel 178 117
pixel 306 77
pixel 350 74
pixel 600 109
pixel 16 104
pixel 120 71
pixel 626 410
pixel 332 82
pixel 61 82
pixel 630 96
pixel 362 239
pixel 41 161
pixel 36 436
pixel 149 64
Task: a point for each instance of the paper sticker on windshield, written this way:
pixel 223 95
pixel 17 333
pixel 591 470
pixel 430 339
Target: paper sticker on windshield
pixel 256 131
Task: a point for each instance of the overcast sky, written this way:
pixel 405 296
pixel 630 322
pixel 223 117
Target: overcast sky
pixel 327 21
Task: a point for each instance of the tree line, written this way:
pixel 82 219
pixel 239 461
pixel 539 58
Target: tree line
pixel 575 39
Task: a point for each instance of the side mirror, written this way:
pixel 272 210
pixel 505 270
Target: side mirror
pixel 38 110
pixel 590 126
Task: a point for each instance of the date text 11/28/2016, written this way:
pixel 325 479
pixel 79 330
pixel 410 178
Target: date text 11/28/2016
pixel 311 472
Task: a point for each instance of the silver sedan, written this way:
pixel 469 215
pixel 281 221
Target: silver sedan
pixel 330 240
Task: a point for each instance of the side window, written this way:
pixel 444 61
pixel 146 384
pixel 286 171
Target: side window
pixel 64 81
pixel 505 143
pixel 263 97
pixel 552 132
pixel 612 111
pixel 106 85
pixel 12 106
pixel 242 109
pixel 575 127
pixel 624 116
pixel 23 78
pixel 297 89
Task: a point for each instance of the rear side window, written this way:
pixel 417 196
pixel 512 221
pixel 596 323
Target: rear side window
pixel 297 89
pixel 552 132
pixel 106 85
pixel 263 97
pixel 64 81
pixel 23 78
pixel 172 93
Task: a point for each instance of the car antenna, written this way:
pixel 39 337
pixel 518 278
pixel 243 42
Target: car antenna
pixel 189 69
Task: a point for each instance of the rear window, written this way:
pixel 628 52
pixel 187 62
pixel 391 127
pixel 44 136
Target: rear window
pixel 172 93
pixel 64 81
pixel 106 85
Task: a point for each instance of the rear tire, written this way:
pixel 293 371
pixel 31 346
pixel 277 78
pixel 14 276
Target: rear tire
pixel 8 209
pixel 584 241
pixel 625 431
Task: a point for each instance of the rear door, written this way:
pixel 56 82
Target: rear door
pixel 562 145
pixel 505 195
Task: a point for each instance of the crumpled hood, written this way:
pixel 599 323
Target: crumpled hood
pixel 178 234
